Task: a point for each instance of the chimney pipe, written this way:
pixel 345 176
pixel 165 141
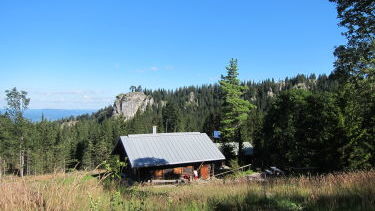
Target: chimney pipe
pixel 154 130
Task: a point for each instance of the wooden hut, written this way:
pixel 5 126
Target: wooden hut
pixel 169 155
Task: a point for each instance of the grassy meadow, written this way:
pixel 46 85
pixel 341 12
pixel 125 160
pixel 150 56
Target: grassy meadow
pixel 81 191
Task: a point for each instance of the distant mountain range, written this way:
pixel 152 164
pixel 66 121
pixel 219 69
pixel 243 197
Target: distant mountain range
pixel 35 115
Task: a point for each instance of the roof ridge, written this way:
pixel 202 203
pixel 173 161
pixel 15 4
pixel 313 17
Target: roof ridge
pixel 163 134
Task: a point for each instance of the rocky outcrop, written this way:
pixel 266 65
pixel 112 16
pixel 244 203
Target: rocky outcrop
pixel 301 86
pixel 128 104
pixel 270 93
pixel 192 101
pixel 70 123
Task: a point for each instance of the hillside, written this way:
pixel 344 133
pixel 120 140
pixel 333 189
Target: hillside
pixel 199 101
pixel 36 115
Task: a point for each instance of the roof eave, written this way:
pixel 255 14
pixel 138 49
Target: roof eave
pixel 171 164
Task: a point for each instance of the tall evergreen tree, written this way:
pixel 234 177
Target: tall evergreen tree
pixel 235 108
pixel 355 70
pixel 17 103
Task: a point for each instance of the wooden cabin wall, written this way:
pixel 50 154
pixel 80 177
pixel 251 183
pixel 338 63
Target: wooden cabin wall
pixel 172 173
pixel 205 171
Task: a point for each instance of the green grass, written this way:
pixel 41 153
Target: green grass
pixel 242 173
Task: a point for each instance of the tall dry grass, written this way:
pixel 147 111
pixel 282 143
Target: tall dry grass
pixel 49 192
pixel 341 191
pixel 80 191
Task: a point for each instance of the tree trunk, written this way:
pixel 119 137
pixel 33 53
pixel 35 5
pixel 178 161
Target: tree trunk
pixel 1 166
pixel 27 162
pixel 240 146
pixel 4 166
pixel 22 161
pixel 64 165
pixel 21 157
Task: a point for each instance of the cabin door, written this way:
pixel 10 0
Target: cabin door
pixel 205 172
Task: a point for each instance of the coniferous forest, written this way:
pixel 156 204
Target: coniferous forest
pixel 321 122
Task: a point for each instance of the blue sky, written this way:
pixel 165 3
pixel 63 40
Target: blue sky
pixel 81 54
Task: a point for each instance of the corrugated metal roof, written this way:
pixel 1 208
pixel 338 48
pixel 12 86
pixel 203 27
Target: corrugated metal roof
pixel 247 149
pixel 145 150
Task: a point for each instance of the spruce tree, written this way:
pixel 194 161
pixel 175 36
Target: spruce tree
pixel 235 108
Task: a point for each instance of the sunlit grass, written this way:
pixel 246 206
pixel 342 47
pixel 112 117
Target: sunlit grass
pixel 81 191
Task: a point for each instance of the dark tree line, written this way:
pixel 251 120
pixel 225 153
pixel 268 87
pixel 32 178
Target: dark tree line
pixel 83 142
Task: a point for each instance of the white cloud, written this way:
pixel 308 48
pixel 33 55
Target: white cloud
pixel 71 99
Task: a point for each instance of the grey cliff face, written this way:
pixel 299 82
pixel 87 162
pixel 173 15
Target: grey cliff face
pixel 128 104
pixel 192 100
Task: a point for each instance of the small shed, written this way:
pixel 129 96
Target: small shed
pixel 247 147
pixel 169 155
